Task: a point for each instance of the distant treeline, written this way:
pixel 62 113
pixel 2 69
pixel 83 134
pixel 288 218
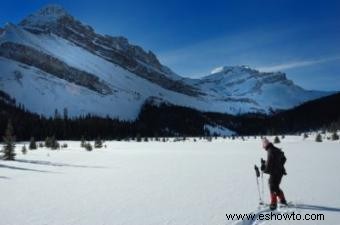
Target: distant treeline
pixel 27 124
pixel 167 120
pixel 323 113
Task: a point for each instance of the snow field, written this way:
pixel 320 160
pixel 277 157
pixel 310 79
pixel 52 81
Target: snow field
pixel 155 183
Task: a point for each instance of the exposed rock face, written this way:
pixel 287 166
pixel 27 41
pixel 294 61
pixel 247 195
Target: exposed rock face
pixel 231 80
pixel 51 65
pixel 54 19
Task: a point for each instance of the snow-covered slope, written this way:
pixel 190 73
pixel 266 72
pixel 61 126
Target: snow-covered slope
pixel 52 61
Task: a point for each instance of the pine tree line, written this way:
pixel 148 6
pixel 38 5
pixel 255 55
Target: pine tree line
pixel 165 120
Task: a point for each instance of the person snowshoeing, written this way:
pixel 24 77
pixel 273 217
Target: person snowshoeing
pixel 274 166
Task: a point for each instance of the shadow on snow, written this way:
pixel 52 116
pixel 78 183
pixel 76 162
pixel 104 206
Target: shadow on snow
pixel 47 163
pixel 23 169
pixel 316 207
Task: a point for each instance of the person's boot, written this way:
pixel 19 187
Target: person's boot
pixel 273 201
pixel 282 198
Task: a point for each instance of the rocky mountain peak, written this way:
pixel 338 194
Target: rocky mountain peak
pixel 55 19
pixel 233 69
pixel 52 10
pixel 45 16
pixel 242 70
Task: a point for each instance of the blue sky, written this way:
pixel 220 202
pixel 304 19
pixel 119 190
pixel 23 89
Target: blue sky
pixel 301 38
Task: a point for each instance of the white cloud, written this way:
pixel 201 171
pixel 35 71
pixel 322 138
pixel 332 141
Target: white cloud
pixel 296 64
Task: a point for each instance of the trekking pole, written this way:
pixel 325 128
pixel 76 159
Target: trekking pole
pixel 262 162
pixel 257 172
pixel 262 183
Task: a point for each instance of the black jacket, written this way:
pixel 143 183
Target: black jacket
pixel 275 161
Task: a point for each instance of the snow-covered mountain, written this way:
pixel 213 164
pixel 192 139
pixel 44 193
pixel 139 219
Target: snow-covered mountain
pixel 246 86
pixel 52 61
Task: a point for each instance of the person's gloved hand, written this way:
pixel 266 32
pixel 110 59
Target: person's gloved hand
pixel 263 164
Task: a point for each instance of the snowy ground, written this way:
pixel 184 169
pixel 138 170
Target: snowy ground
pixel 155 183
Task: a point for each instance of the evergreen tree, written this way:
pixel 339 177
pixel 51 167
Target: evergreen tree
pixel 82 142
pixel 98 143
pixel 65 114
pixel 32 145
pixel 24 150
pixel 305 136
pixel 335 136
pixel 277 140
pixel 51 142
pixel 138 138
pixel 41 145
pixel 88 146
pixel 48 142
pixel 56 114
pixel 318 138
pixel 9 139
pixel 54 143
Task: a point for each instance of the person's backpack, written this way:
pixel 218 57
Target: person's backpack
pixel 282 160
